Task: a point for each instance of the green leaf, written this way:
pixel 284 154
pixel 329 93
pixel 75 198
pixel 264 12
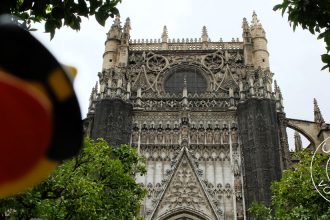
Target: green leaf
pixel 325 58
pixel 277 7
pixel 58 12
pixel 82 8
pixel 101 17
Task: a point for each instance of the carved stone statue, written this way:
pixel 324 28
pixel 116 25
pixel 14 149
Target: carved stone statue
pixel 225 136
pixel 193 136
pixel 237 170
pixel 201 136
pixel 209 137
pixel 144 137
pixel 234 136
pixel 159 137
pixel 175 139
pixel 217 137
pixel 135 137
pixel 167 135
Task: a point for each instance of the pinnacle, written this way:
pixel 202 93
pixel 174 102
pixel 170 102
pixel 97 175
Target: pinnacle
pixel 245 24
pixel 297 141
pixel 255 20
pixel 117 20
pixel 317 113
pixel 275 85
pixel 164 34
pixel 164 31
pixel 205 36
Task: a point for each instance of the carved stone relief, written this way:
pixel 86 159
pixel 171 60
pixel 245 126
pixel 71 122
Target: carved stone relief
pixel 184 190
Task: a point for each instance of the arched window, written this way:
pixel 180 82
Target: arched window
pixel 195 81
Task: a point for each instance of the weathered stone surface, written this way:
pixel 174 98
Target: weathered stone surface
pixel 257 121
pixel 113 121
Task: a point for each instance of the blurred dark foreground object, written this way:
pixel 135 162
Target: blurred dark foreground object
pixel 40 116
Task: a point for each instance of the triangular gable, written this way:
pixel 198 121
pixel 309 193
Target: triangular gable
pixel 184 191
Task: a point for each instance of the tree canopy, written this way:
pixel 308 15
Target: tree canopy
pixel 312 15
pixel 57 13
pixel 97 184
pixel 294 196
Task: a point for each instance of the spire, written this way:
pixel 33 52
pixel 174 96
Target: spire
pixel 205 36
pixel 256 27
pixel 275 86
pixel 164 35
pixel 255 21
pixel 115 30
pixel 116 22
pixel 245 25
pixel 297 141
pixel 246 32
pixel 317 113
pixel 278 97
pixel 125 35
pixel 127 26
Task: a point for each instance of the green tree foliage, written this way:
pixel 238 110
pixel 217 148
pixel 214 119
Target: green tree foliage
pixel 313 15
pixel 97 184
pixel 57 13
pixel 294 196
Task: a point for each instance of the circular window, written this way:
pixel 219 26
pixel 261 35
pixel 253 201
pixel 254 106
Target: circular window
pixel 195 81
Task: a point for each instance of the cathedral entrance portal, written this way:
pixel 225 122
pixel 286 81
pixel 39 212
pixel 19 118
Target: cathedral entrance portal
pixel 184 215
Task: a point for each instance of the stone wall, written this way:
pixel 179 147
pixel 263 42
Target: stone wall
pixel 257 121
pixel 113 121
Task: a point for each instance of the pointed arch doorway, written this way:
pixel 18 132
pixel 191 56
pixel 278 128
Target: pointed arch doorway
pixel 184 214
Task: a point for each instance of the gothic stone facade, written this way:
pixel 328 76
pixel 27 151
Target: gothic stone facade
pixel 203 113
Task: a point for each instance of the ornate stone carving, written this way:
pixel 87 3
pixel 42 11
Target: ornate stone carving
pixel 184 190
pixel 156 62
pixel 213 61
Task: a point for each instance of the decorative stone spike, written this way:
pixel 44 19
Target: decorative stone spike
pixel 245 25
pixel 275 86
pixel 205 36
pixel 96 86
pixel 317 113
pixel 279 98
pixel 127 25
pixel 297 141
pixel 255 20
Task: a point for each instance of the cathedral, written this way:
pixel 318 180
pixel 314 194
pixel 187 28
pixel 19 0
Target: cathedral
pixel 206 115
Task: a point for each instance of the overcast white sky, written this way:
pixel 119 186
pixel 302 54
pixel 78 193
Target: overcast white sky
pixel 294 56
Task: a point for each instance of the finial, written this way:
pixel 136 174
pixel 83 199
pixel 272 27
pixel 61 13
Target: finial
pixel 297 141
pixel 317 113
pixel 96 86
pixel 127 26
pixel 164 34
pixel 116 22
pixel 255 20
pixel 245 25
pixel 275 86
pixel 205 36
